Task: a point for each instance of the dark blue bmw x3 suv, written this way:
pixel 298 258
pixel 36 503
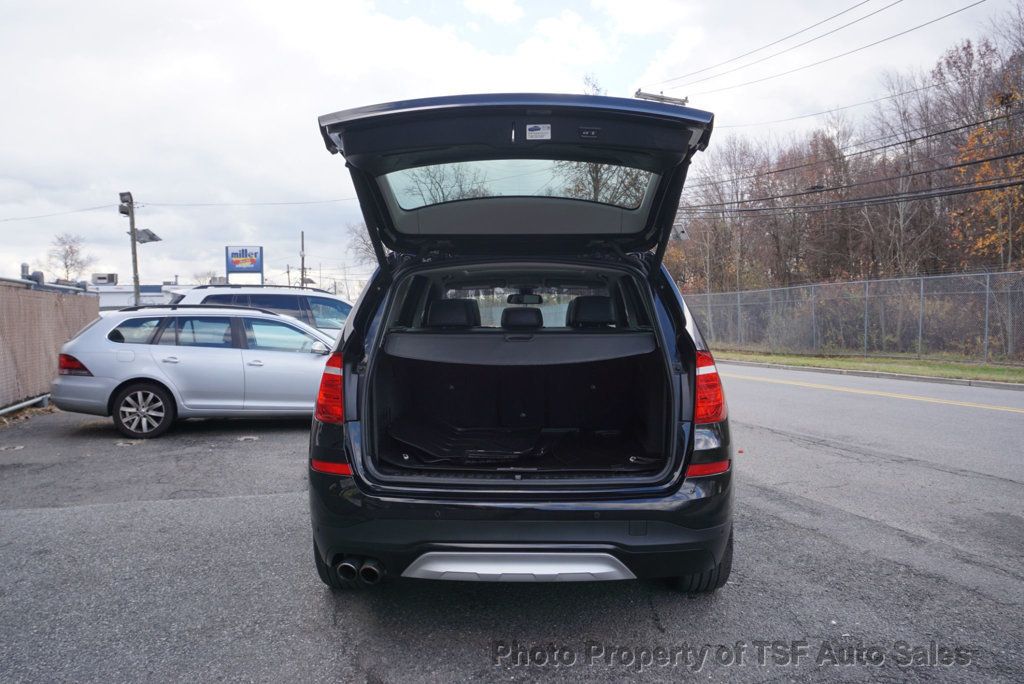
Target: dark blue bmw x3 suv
pixel 520 393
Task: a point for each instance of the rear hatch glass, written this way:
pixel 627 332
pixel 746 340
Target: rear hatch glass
pixel 475 174
pixel 619 186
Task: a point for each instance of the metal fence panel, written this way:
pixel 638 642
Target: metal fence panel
pixel 976 317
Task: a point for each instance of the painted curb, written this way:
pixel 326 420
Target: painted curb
pixel 988 384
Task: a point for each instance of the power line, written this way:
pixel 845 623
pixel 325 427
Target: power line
pixel 354 269
pixel 930 193
pixel 898 143
pixel 934 193
pixel 907 141
pixel 57 213
pixel 763 47
pixel 833 110
pixel 303 202
pixel 1000 157
pixel 867 141
pixel 249 204
pixel 835 57
pixel 789 49
pixel 180 205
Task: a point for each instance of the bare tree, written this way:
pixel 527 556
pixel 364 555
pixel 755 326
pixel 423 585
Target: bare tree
pixel 869 198
pixel 446 183
pixel 591 86
pixel 359 244
pixel 204 277
pixel 606 183
pixel 1008 28
pixel 66 257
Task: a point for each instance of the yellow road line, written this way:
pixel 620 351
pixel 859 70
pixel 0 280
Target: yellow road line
pixel 874 393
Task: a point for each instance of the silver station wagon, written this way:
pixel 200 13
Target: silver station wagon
pixel 146 366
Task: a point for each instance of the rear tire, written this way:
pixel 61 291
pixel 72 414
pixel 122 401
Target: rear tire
pixel 143 410
pixel 708 581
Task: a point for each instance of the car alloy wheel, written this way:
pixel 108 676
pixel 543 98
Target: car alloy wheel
pixel 142 411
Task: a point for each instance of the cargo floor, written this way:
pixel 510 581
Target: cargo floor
pixel 418 444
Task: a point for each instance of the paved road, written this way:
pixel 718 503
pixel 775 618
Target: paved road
pixel 869 512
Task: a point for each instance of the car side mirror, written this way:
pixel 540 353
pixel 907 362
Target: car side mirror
pixel 320 348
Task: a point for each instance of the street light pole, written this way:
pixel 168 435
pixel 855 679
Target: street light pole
pixel 127 208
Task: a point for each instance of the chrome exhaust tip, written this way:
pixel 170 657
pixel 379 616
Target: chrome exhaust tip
pixel 371 571
pixel 348 568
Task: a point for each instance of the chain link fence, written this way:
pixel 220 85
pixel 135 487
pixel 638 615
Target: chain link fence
pixel 977 317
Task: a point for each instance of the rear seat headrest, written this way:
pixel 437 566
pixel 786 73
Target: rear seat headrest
pixel 453 313
pixel 590 311
pixel 521 317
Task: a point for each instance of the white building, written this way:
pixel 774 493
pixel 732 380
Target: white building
pixel 115 296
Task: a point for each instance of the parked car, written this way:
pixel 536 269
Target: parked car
pixel 147 365
pixel 520 393
pixel 318 308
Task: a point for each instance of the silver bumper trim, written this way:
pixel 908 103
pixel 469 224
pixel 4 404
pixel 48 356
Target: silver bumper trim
pixel 487 566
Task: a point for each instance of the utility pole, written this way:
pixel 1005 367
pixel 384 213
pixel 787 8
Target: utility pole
pixel 288 270
pixel 302 258
pixel 127 208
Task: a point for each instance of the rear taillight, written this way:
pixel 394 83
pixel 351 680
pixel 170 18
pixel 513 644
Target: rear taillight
pixel 331 468
pixel 330 401
pixel 69 365
pixel 710 400
pixel 705 469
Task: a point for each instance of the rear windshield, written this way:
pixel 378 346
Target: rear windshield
pixel 553 304
pixel 328 313
pixel 619 186
pixel 289 305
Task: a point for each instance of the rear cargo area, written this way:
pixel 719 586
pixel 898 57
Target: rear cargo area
pixel 597 418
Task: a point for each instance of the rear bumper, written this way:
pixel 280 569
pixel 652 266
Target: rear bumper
pixel 82 394
pixel 676 534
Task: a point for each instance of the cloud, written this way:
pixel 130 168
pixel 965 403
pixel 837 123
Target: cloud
pixel 218 103
pixel 566 39
pixel 193 101
pixel 645 17
pixel 501 11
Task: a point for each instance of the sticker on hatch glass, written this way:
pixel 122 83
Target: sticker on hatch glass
pixel 538 131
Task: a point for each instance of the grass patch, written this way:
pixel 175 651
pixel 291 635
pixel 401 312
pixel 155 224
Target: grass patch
pixel 936 369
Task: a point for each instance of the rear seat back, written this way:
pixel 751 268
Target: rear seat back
pixel 452 313
pixel 588 396
pixel 590 311
pixel 521 318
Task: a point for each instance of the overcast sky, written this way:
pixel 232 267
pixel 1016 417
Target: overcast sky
pixel 200 101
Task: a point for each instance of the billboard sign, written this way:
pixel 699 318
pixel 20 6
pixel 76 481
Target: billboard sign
pixel 244 259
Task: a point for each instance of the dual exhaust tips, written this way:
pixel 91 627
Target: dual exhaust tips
pixel 367 570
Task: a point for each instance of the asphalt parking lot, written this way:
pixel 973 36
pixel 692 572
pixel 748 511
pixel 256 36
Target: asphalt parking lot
pixel 870 513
